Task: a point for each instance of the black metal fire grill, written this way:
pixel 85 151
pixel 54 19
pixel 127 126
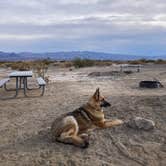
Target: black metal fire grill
pixel 150 84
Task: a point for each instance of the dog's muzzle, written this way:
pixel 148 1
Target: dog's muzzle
pixel 105 104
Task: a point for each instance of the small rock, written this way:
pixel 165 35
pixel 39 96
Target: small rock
pixel 141 123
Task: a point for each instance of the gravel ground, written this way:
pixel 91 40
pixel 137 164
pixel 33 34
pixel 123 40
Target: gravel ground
pixel 25 122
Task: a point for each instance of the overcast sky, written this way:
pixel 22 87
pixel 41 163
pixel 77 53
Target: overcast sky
pixel 117 26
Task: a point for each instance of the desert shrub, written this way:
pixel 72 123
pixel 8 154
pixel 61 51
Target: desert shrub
pixel 150 61
pixel 82 63
pixel 5 64
pixel 2 64
pixel 136 62
pixel 119 62
pixel 160 61
pixel 103 62
pixel 144 61
pixel 19 65
pixel 78 62
pixel 40 67
pixel 141 61
pixel 66 64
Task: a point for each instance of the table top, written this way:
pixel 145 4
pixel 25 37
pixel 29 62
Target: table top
pixel 21 74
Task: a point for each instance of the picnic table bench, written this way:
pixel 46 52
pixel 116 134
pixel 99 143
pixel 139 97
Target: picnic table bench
pixel 41 84
pixel 3 82
pixel 22 82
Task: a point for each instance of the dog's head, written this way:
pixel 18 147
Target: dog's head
pixel 98 100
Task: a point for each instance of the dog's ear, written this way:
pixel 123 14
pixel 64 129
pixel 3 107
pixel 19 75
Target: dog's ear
pixel 97 94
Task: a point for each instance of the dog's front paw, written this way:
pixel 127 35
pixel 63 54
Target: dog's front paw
pixel 119 122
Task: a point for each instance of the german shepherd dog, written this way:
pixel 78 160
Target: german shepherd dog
pixel 72 127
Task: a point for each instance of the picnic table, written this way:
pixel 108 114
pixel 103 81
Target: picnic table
pixel 21 78
pixel 125 66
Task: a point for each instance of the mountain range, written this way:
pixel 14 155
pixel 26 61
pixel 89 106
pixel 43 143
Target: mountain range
pixel 11 56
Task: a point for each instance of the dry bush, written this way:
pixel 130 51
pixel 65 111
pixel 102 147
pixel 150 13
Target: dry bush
pixel 40 67
pixel 103 62
pixel 78 62
pixel 141 61
pixel 160 61
pixel 2 64
pixel 120 62
pixel 66 64
pixel 19 66
pixel 144 61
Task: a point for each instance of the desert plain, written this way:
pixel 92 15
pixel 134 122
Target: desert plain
pixel 25 121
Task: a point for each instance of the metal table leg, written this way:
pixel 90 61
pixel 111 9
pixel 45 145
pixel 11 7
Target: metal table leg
pixel 20 82
pixel 43 89
pixel 25 85
pixel 16 87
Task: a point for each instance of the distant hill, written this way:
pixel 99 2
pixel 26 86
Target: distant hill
pixel 6 56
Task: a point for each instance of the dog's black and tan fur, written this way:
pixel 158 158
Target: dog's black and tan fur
pixel 71 128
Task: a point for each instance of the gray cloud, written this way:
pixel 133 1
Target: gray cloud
pixel 100 25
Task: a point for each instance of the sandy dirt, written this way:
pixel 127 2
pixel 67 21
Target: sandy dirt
pixel 25 122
